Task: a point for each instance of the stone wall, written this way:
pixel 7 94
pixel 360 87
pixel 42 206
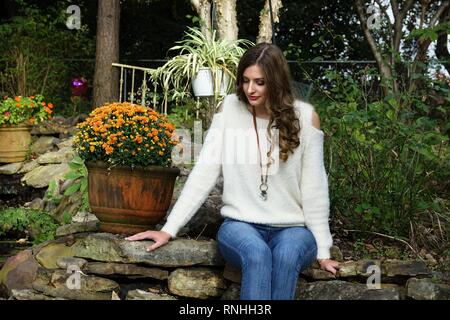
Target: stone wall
pixel 84 264
pixel 89 265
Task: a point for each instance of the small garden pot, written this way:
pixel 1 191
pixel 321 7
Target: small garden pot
pixel 128 200
pixel 203 83
pixel 15 142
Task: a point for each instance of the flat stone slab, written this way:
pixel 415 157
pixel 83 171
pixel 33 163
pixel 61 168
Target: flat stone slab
pixel 105 247
pixel 130 270
pixel 342 290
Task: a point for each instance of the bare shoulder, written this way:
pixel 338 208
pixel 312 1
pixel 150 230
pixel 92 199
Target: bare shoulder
pixel 308 114
pixel 315 120
pixel 219 107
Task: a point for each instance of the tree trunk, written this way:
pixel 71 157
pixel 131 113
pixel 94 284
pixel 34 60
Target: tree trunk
pixel 265 23
pixel 203 9
pixel 226 19
pixel 385 69
pixel 106 78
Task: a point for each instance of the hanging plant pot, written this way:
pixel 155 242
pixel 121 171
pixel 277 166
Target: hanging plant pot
pixel 14 142
pixel 129 200
pixel 203 83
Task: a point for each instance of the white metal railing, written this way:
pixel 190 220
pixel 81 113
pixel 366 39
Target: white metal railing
pixel 143 87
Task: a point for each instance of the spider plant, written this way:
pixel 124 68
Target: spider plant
pixel 196 51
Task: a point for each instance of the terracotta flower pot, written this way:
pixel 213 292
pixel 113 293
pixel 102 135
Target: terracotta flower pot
pixel 129 201
pixel 14 142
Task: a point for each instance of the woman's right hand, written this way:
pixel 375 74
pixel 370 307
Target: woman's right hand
pixel 159 237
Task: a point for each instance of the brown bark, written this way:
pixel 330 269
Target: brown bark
pixel 383 66
pixel 226 19
pixel 203 9
pixel 265 24
pixel 106 78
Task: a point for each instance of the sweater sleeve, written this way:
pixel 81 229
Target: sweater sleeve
pixel 201 180
pixel 314 189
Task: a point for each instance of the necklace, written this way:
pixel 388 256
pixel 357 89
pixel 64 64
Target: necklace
pixel 263 187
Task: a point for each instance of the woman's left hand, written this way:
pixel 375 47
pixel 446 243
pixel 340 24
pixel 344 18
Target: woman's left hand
pixel 329 265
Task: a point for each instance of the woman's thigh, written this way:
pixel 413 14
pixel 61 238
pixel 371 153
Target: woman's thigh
pixel 295 245
pixel 240 241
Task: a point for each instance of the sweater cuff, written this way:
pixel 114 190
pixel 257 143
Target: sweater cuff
pixel 323 253
pixel 170 229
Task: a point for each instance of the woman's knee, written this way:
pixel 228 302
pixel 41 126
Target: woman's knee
pixel 257 254
pixel 241 239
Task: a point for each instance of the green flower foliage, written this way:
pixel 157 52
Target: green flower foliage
pixel 29 110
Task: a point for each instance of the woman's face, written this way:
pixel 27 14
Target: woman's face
pixel 254 86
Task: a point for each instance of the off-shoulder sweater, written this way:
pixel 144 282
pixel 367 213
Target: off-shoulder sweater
pixel 297 189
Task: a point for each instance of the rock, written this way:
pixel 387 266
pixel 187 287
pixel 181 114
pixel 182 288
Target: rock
pixel 70 262
pixel 399 268
pixel 50 253
pixel 431 261
pixel 67 207
pixel 61 156
pixel 56 283
pixel 201 283
pixel 44 144
pixel 207 220
pixel 357 268
pixel 341 290
pixel 28 166
pixel 36 204
pixel 19 271
pixel 11 168
pixel 56 126
pixel 232 273
pixel 233 292
pixel 131 270
pixel 29 294
pixel 180 252
pixel 84 216
pixel 138 294
pixel 66 143
pixel 440 277
pixel 425 289
pixel 77 227
pixel 318 274
pixel 336 254
pixel 42 175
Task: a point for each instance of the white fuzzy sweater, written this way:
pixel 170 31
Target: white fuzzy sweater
pixel 298 188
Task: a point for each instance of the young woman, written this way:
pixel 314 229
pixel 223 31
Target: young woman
pixel 269 148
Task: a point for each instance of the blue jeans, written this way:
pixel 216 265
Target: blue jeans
pixel 270 258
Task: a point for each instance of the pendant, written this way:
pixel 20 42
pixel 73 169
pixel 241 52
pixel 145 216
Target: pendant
pixel 263 195
pixel 263 188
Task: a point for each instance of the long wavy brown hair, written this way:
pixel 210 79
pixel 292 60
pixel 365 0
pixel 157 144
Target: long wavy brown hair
pixel 279 93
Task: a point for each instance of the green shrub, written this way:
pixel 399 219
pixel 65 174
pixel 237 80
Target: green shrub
pixel 388 164
pixel 35 52
pixel 20 221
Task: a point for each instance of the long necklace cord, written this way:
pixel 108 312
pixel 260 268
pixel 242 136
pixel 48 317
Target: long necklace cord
pixel 263 187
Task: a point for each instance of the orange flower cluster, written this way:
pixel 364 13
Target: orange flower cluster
pixel 29 110
pixel 126 134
